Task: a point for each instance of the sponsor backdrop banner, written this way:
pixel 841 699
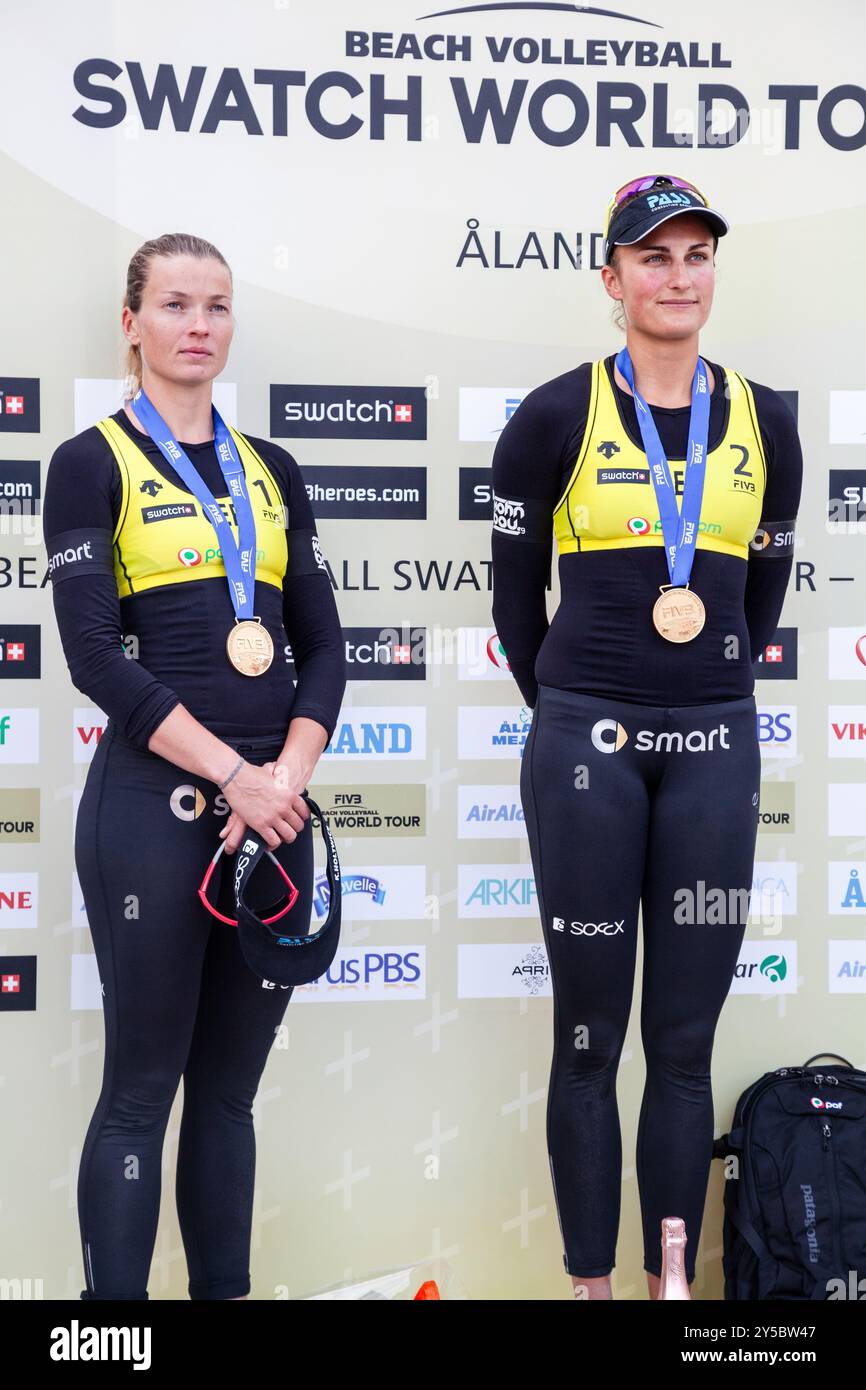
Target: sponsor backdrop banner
pixel 412 205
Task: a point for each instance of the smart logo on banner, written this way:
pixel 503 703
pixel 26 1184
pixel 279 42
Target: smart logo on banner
pixel 492 731
pixel 348 412
pixel 380 731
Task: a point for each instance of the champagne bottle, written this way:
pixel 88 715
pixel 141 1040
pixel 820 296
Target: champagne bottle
pixel 673 1283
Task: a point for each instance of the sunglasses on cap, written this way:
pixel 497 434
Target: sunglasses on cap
pixel 628 190
pixel 233 921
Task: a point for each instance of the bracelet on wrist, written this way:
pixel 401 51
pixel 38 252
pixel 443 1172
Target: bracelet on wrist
pixel 237 767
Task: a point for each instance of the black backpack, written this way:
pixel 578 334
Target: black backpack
pixel 795 1210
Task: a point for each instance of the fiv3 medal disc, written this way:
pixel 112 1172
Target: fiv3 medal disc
pixel 250 647
pixel 678 614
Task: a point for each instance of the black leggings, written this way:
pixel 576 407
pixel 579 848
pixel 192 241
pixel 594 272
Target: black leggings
pixel 630 805
pixel 178 1000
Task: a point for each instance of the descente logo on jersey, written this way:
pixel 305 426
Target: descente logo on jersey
pixel 508 516
pixel 69 556
pixel 608 736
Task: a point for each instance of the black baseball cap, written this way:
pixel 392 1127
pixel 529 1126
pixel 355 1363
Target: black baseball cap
pixel 662 199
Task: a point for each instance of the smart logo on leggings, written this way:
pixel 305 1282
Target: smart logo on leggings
pixel 608 736
pixel 588 928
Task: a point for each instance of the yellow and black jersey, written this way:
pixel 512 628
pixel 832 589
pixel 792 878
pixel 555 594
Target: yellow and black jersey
pixel 162 534
pixel 144 626
pixel 570 466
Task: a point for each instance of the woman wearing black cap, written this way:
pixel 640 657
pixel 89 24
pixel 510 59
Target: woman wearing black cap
pixel 185 568
pixel 672 486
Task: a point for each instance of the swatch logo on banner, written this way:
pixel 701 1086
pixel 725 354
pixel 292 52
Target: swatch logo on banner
pixel 608 736
pixel 303 411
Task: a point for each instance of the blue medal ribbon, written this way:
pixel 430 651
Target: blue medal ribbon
pixel 680 529
pixel 239 557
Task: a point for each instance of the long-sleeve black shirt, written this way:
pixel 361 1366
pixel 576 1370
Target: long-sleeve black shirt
pixel 601 640
pixel 181 629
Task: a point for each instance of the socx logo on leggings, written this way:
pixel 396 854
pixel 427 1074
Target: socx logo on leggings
pixel 608 736
pixel 588 928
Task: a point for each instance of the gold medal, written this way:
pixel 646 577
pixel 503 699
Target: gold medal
pixel 678 613
pixel 250 647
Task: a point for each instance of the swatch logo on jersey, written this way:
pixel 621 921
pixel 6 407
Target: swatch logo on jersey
pixel 269 951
